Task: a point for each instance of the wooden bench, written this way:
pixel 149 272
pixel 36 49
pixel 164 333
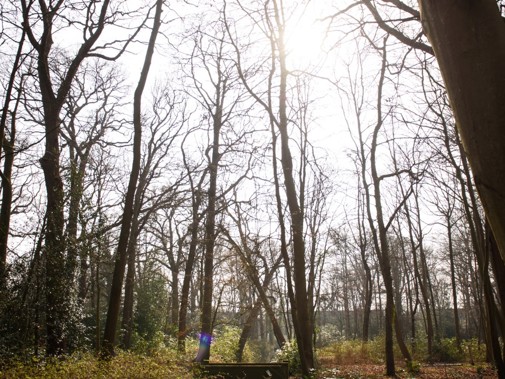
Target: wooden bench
pixel 244 370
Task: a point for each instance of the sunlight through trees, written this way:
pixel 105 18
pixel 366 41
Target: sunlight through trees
pixel 253 180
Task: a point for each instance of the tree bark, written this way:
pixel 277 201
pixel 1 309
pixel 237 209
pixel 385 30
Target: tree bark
pixel 468 38
pixel 303 319
pixel 379 232
pixel 188 273
pixel 453 282
pixel 6 174
pixel 421 281
pixel 122 251
pixel 210 234
pixel 128 302
pixel 57 304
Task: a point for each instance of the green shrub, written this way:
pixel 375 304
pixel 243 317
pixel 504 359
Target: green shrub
pixel 225 344
pixel 413 367
pixel 446 350
pixel 289 353
pixel 474 350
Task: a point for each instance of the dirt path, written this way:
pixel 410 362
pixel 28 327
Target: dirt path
pixel 426 372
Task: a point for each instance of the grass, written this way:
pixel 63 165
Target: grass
pixel 124 365
pixel 342 359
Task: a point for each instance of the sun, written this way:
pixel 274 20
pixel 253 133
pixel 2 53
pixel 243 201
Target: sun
pixel 305 36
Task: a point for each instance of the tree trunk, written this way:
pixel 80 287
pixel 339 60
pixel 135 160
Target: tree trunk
pixel 421 280
pixel 368 283
pixel 8 151
pixel 303 322
pixel 210 231
pixel 380 237
pixel 122 252
pixel 186 283
pixel 499 273
pixel 127 319
pixel 453 283
pixel 470 49
pixel 253 315
pixel 56 286
pixel 56 291
pixel 468 38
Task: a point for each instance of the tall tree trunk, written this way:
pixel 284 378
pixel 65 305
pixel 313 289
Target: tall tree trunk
pixel 470 50
pixel 122 251
pixel 210 231
pixel 368 283
pixel 303 322
pixel 196 200
pixel 380 237
pixel 499 273
pixel 127 319
pixel 188 273
pixel 129 290
pixel 56 286
pixel 453 282
pixel 284 246
pixel 421 280
pixel 8 151
pixel 489 311
pixel 56 291
pixel 54 242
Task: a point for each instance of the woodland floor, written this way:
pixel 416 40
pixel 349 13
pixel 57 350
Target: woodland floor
pixel 438 371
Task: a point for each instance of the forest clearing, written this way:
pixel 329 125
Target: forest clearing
pixel 318 182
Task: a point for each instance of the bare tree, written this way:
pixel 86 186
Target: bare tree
pixel 378 222
pixel 122 249
pixel 42 21
pixel 249 250
pixel 196 193
pixel 91 113
pixel 163 128
pixel 273 19
pixel 7 143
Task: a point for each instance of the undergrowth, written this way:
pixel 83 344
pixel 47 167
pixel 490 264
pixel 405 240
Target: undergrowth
pixel 153 358
pixel 158 358
pixel 126 365
pixel 446 350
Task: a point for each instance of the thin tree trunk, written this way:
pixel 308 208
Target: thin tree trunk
pixel 210 233
pixel 368 283
pixel 303 322
pixel 253 315
pixel 186 283
pixel 381 239
pixel 122 252
pixel 8 147
pixel 453 283
pixel 421 283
